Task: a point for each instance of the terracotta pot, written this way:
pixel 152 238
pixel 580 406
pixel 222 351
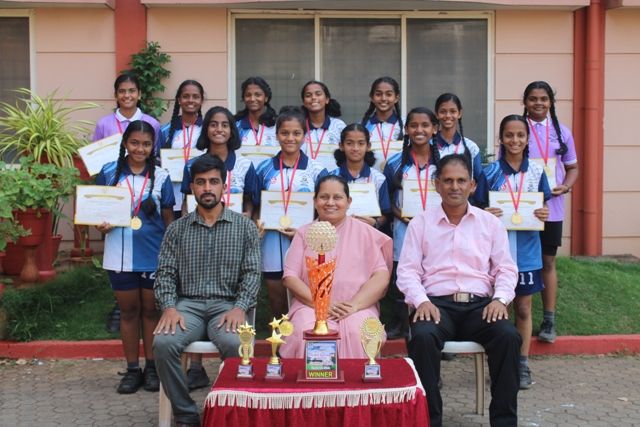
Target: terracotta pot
pixel 79 164
pixel 13 260
pixel 33 220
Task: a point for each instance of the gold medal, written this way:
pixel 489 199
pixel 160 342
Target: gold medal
pixel 372 327
pixel 285 221
pixel 136 223
pixel 516 218
pixel 285 328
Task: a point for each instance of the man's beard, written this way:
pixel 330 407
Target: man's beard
pixel 208 205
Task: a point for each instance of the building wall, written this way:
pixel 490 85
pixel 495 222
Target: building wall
pixel 521 58
pixel 621 199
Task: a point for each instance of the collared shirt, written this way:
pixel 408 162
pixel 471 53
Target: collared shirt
pixel 440 258
pixel 457 147
pixel 367 175
pixel 329 134
pixel 374 124
pixel 265 134
pixel 108 125
pixel 199 261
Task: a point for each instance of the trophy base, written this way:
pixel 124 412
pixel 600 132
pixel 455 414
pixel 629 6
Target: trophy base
pixel 245 372
pixel 303 379
pixel 274 373
pixel 372 373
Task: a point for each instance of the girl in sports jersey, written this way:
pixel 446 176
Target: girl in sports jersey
pixel 256 122
pixel 131 253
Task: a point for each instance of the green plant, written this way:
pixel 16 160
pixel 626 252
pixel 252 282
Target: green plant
pixel 148 65
pixel 41 127
pixel 10 231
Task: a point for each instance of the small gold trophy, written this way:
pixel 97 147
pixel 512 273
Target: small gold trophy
pixel 246 333
pixel 371 337
pixel 279 328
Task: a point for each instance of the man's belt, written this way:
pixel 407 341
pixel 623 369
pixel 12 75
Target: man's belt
pixel 462 297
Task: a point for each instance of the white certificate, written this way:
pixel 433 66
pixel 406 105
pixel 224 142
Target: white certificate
pixel 235 203
pixel 376 147
pixel 172 159
pixel 411 199
pixel 101 152
pixel 525 219
pixel 364 199
pixel 325 156
pixel 96 204
pixel 258 153
pixel 300 209
pixel 550 170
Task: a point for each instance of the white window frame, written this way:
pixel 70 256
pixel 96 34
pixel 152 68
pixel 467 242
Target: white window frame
pixel 30 14
pixel 489 16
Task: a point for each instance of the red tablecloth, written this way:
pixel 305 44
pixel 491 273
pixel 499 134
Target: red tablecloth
pixel 398 400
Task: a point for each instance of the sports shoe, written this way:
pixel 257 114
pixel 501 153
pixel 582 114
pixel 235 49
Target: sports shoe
pixel 547 331
pixel 131 381
pixel 197 378
pixel 151 380
pixel 525 377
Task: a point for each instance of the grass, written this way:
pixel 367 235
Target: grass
pixel 595 297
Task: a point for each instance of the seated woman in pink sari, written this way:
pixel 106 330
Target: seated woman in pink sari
pixel 364 259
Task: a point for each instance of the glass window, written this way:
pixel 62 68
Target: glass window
pixel 450 56
pixel 279 50
pixel 355 52
pixel 14 66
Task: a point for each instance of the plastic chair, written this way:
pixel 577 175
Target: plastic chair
pixel 471 347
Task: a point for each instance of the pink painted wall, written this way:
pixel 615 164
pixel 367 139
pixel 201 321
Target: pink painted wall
pixel 621 231
pixel 521 58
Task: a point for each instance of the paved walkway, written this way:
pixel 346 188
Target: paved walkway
pixel 569 391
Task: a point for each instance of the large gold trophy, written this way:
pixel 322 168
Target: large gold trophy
pixel 321 343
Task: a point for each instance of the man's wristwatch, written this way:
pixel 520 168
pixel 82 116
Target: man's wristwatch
pixel 502 300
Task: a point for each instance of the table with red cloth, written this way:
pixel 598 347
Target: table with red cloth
pixel 398 400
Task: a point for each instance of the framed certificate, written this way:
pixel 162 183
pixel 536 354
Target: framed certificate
pixel 364 199
pixel 172 159
pixel 300 210
pixel 96 204
pixel 524 219
pixel 258 153
pixel 550 170
pixel 376 147
pixel 411 199
pixel 101 152
pixel 235 204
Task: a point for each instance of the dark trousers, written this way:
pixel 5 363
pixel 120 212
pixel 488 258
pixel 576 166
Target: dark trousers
pixel 463 322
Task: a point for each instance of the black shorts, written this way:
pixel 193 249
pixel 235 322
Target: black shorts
pixel 551 237
pixel 273 275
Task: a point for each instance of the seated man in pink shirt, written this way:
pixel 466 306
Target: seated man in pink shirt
pixel 455 270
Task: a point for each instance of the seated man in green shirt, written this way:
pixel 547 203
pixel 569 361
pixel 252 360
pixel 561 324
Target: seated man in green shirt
pixel 207 278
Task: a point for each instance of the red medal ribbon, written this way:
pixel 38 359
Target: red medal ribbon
pixel 535 134
pixel 286 199
pixel 385 150
pixel 186 146
pixel 311 152
pixel 516 202
pixel 425 193
pixel 255 132
pixel 133 194
pixel 118 124
pixel 228 198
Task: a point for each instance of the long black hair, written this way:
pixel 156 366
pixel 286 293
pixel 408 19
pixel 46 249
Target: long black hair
pixel 126 77
pixel 341 157
pixel 148 206
pixel 372 108
pixel 204 142
pixel 539 84
pixel 332 109
pixel 268 118
pixel 175 122
pixel 446 97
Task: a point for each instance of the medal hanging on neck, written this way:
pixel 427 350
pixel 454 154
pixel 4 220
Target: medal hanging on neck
pixel 312 153
pixel 136 222
pixel 385 148
pixel 186 145
pixel 118 124
pixel 255 132
pixel 545 155
pixel 424 191
pixel 516 218
pixel 285 220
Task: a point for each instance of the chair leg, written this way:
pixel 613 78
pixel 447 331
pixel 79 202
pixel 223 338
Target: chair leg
pixel 164 409
pixel 479 359
pixel 185 359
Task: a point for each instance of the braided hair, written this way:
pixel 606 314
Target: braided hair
pixel 268 118
pixel 127 77
pixel 341 157
pixel 452 97
pixel 372 108
pixel 503 124
pixel 407 159
pixel 203 140
pixel 148 206
pixel 332 109
pixel 554 118
pixel 175 122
